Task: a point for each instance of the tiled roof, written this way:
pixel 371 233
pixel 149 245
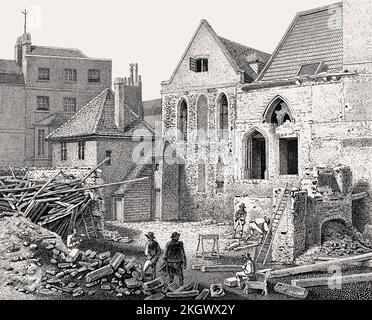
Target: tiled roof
pixel 314 36
pixel 96 118
pixel 244 56
pixel 56 52
pixel 10 72
pixel 152 113
pixel 54 120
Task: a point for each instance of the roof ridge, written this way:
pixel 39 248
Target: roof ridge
pixel 57 47
pixel 99 113
pixel 318 9
pixel 77 113
pixel 243 45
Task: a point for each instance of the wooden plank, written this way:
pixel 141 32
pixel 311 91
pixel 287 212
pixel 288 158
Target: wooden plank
pixel 291 290
pixel 185 287
pixel 332 280
pixel 367 263
pixel 221 268
pixel 46 184
pixel 318 266
pixel 203 295
pixel 183 294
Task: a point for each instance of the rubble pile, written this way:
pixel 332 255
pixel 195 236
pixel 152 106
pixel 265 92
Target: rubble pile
pixel 337 241
pixel 54 204
pixel 115 236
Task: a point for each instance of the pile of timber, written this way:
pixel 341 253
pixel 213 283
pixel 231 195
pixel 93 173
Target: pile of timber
pixel 54 204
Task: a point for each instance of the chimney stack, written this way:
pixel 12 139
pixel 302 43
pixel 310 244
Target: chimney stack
pixel 128 97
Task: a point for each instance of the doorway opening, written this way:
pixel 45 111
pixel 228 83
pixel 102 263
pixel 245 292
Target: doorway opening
pixel 288 156
pixel 256 157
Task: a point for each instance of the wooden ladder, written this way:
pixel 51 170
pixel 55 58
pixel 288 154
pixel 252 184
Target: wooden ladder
pixel 90 228
pixel 273 228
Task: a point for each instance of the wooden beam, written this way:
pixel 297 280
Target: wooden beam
pixel 318 266
pixel 183 294
pixel 221 268
pixel 367 263
pixel 46 184
pixel 94 169
pixel 332 280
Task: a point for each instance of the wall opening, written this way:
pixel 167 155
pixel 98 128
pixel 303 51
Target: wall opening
pixel 223 120
pixel 332 230
pixel 256 158
pixel 182 120
pixel 288 156
pixel 278 112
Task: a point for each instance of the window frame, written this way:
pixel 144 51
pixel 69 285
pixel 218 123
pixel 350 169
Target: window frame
pixel 199 64
pixel 63 149
pixel 40 153
pixel 40 105
pixel 40 75
pixel 92 78
pixel 70 75
pixel 81 150
pixel 68 104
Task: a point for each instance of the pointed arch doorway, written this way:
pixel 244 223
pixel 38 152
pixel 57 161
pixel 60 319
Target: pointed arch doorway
pixel 255 156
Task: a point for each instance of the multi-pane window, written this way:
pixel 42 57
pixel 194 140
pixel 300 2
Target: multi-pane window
pixel 63 151
pixel 42 103
pixel 108 155
pixel 199 65
pixel 41 142
pixel 69 104
pixel 81 150
pixel 94 75
pixel 43 74
pixel 70 74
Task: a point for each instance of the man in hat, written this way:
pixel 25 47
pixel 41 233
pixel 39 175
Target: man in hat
pixel 248 267
pixel 239 219
pixel 152 253
pixel 175 258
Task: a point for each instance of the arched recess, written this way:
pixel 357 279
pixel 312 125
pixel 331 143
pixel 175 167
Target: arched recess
pixel 331 226
pixel 202 119
pixel 255 155
pixel 223 116
pixel 278 112
pixel 182 120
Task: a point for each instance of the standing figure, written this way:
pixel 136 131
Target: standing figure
pixel 261 225
pixel 248 267
pixel 72 240
pixel 152 253
pixel 175 258
pixel 239 220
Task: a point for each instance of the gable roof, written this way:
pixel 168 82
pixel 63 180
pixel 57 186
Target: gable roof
pixel 56 52
pixel 10 72
pixel 309 39
pixel 97 118
pixel 232 50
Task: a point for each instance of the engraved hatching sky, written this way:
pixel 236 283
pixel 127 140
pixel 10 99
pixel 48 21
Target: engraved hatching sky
pixel 152 33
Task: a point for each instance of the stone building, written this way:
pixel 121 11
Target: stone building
pixel 308 109
pixel 112 126
pixel 44 87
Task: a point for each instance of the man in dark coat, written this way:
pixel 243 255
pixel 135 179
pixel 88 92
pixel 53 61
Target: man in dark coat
pixel 175 258
pixel 152 253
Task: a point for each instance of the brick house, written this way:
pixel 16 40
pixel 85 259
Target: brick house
pixel 307 111
pixel 112 125
pixel 44 86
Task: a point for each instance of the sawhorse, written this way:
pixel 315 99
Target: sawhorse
pixel 215 249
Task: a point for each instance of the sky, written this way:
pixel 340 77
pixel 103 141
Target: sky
pixel 153 33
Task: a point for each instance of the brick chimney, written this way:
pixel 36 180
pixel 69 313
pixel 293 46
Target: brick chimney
pixel 357 33
pixel 22 47
pixel 128 91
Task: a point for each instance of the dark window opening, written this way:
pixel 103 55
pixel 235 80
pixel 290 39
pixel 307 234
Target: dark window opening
pixel 43 74
pixel 108 155
pixel 42 103
pixel 182 121
pixel 224 118
pixel 94 75
pixel 199 65
pixel 288 156
pixel 81 150
pixel 312 69
pixel 63 151
pixel 255 157
pixel 278 113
